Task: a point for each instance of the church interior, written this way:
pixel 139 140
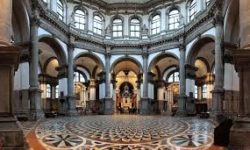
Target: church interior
pixel 124 74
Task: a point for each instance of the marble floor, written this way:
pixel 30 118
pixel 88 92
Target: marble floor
pixel 126 132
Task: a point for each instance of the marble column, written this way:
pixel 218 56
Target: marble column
pixel 138 82
pixel 218 92
pixel 145 75
pixel 35 92
pixel 11 135
pixel 108 102
pixel 113 81
pixel 70 80
pixel 182 98
pixel 145 100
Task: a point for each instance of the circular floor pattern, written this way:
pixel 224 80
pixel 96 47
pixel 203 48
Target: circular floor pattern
pixel 62 141
pixel 191 142
pixel 126 129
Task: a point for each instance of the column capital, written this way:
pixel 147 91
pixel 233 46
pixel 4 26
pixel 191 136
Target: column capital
pixel 182 47
pixel 62 71
pixel 218 17
pixel 160 83
pixel 35 18
pixel 190 71
pixel 71 46
pixel 144 54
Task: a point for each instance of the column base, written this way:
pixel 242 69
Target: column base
pixel 217 102
pixel 11 136
pixel 240 133
pixel 144 109
pixel 71 106
pixel 108 106
pixel 36 115
pixel 72 112
pixel 181 110
pixel 36 112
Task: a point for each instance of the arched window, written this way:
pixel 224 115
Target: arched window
pixel 117 28
pixel 45 1
pixel 57 91
pixel 78 77
pixel 155 24
pixel 192 9
pixel 48 91
pixel 135 27
pixel 204 91
pixel 208 2
pixel 59 9
pixel 79 18
pixel 174 18
pixel 98 24
pixel 174 77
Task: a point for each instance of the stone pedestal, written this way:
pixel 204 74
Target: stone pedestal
pixel 217 104
pixel 108 106
pixel 181 111
pixel 71 106
pixel 145 104
pixel 240 133
pixel 11 136
pixel 35 108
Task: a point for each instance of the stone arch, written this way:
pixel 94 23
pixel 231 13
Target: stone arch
pixel 126 58
pixel 93 57
pixel 56 46
pixel 231 25
pixel 195 48
pixel 82 68
pixel 20 22
pixel 205 62
pixel 161 56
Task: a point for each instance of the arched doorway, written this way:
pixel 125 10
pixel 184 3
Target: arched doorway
pixel 126 93
pixel 88 67
pixel 166 82
pixel 201 57
pixel 126 77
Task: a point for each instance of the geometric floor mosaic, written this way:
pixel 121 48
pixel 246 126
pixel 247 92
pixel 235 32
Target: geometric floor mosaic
pixel 125 132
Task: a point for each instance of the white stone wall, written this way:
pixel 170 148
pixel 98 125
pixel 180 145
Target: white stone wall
pixel 21 79
pixel 231 77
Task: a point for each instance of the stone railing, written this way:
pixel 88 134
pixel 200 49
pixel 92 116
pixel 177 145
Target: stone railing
pixel 168 36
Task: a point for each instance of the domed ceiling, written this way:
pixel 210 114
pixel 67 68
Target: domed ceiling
pixel 125 1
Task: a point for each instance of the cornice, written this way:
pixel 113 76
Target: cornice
pixel 151 4
pixel 169 39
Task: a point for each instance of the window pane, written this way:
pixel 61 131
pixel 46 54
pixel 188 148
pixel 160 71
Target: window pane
pixel 79 17
pixel 192 9
pixel 155 24
pixel 98 23
pixel 173 19
pixel 60 9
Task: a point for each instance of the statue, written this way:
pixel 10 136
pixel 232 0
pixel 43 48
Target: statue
pixel 108 30
pixel 144 30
